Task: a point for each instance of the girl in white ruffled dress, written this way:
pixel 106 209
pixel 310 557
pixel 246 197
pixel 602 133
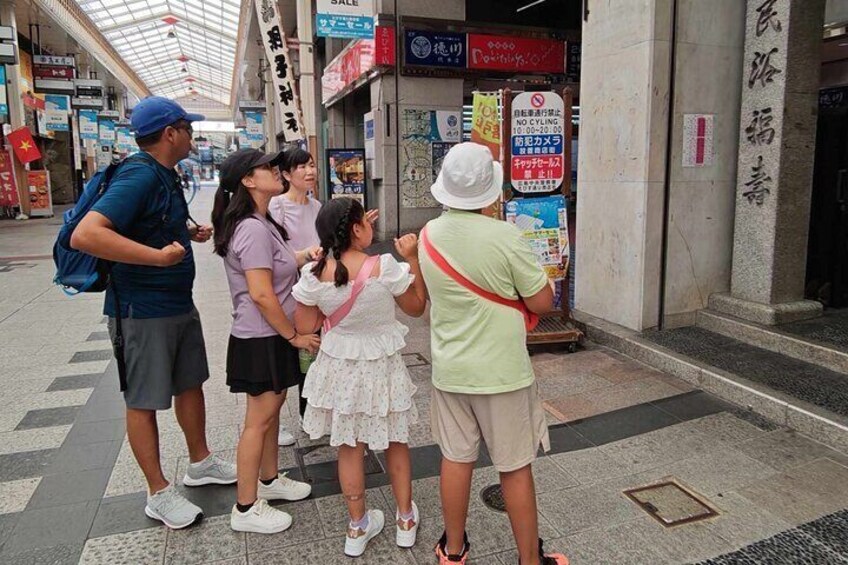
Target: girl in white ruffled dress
pixel 358 389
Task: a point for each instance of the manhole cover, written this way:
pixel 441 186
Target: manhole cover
pixel 493 498
pixel 671 504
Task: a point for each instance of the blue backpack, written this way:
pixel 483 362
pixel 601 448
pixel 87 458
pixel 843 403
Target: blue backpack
pixel 76 271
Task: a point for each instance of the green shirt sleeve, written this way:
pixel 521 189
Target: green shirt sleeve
pixel 527 274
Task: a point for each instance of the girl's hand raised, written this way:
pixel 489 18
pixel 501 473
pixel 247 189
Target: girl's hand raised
pixel 407 246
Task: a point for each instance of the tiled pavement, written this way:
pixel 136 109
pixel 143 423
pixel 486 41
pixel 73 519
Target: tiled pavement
pixel 70 491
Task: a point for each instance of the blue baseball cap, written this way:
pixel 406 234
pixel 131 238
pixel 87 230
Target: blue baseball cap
pixel 155 113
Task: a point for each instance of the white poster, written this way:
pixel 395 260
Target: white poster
pixel 277 54
pixel 345 18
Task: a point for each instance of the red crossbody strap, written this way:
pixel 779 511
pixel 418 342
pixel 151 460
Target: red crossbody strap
pixel 443 264
pixel 333 319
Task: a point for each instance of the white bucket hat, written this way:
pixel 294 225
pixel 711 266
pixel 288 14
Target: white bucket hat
pixel 470 179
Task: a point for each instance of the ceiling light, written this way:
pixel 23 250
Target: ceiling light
pixel 172 34
pixel 530 5
pixel 184 69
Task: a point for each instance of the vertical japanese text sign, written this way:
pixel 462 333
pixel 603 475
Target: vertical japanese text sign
pixel 762 99
pixel 276 51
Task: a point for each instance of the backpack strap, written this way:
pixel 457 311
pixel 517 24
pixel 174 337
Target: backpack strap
pixel 530 319
pixel 342 311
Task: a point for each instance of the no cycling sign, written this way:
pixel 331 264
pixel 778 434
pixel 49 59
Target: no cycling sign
pixel 538 129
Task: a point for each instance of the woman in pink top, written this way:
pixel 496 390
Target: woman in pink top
pixel 262 355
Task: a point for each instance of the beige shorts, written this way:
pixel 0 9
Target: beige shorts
pixel 511 423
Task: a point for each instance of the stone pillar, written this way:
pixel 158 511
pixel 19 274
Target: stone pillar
pixel 775 172
pixel 624 92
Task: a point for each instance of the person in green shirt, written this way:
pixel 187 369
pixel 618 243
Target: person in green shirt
pixel 483 383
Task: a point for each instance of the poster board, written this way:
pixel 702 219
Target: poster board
pixel 40 196
pixel 425 138
pixel 544 224
pixel 346 174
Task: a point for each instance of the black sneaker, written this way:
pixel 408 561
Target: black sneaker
pixel 442 551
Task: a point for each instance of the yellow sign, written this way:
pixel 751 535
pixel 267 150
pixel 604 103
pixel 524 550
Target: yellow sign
pixel 485 123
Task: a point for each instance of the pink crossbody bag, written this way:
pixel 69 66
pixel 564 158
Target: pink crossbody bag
pixel 333 319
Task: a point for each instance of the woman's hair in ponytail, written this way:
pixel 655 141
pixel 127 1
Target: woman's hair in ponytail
pixel 334 224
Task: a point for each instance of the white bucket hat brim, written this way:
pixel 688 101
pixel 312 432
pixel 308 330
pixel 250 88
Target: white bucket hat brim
pixel 479 201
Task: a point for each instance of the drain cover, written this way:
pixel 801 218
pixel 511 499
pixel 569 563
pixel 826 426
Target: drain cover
pixel 493 498
pixel 318 463
pixel 671 504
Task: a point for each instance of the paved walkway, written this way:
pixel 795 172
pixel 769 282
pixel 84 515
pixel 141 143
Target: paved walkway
pixel 70 491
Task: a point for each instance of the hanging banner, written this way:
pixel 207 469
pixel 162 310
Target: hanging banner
pixel 88 124
pixel 277 53
pixel 4 101
pixel 538 129
pixel 40 197
pixel 57 108
pixel 106 133
pixel 486 124
pixel 8 187
pixel 24 145
pixel 544 223
pixel 508 53
pixel 255 131
pixel 346 173
pixel 345 18
pixel 124 139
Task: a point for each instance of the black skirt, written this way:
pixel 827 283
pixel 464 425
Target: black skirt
pixel 262 364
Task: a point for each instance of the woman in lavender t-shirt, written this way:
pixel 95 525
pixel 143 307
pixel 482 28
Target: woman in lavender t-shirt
pixel 262 355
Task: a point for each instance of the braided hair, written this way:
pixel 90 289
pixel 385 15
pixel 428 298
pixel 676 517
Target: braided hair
pixel 334 224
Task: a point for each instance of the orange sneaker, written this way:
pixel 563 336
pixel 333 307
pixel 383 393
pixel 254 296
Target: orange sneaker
pixel 448 559
pixel 551 558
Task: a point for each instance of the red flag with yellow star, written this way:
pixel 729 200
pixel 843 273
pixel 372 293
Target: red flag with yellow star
pixel 24 145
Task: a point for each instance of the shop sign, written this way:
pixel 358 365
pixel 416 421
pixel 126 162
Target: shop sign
pixel 572 66
pixel 434 49
pixel 356 60
pixel 368 126
pixel 45 85
pixel 8 188
pixel 40 198
pixel 106 132
pixel 112 114
pixel 255 131
pixel 65 73
pixel 57 108
pixel 346 173
pixel 95 103
pixel 345 18
pixel 538 128
pixel 521 54
pixel 251 106
pixel 53 61
pixel 277 53
pixel 88 124
pixel 91 88
pixel 4 101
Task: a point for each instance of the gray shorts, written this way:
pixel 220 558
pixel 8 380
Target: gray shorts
pixel 165 357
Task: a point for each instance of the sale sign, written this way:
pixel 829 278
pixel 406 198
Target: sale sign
pixel 506 53
pixel 486 123
pixel 538 129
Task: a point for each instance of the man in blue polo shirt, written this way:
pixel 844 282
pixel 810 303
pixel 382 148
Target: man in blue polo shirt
pixel 141 224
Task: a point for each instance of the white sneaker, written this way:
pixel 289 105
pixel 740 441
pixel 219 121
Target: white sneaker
pixel 211 471
pixel 285 438
pixel 407 530
pixel 357 539
pixel 261 518
pixel 284 488
pixel 172 509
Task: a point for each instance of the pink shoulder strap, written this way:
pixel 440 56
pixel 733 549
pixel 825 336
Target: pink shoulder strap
pixel 333 319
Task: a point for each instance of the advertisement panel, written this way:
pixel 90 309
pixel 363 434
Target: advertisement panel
pixel 4 101
pixel 88 124
pixel 356 60
pixel 255 130
pixel 425 138
pixel 40 198
pixel 544 223
pixel 106 132
pixel 346 173
pixel 8 187
pixel 57 108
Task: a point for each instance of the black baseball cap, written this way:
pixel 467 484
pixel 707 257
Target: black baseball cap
pixel 238 164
